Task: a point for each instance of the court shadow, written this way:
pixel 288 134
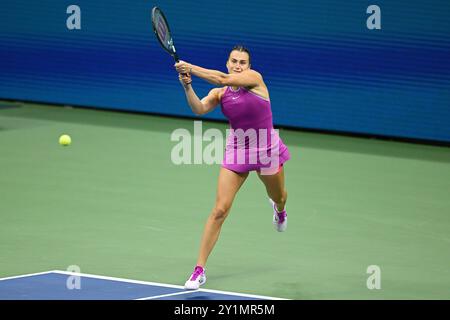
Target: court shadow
pixel 9 104
pixel 104 117
pixel 366 145
pixel 167 124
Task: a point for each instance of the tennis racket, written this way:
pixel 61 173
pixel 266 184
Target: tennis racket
pixel 162 32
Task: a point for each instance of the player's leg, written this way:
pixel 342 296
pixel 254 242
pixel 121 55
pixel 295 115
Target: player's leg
pixel 276 191
pixel 228 185
pixel 275 188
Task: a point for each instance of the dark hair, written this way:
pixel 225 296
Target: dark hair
pixel 241 48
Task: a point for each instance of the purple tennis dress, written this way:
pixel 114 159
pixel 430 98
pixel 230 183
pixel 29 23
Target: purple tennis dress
pixel 252 143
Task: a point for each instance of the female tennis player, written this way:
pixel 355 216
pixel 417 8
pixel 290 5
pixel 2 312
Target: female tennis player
pixel 252 145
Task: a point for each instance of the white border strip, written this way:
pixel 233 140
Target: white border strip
pixel 28 275
pixel 118 279
pixel 168 285
pixel 165 295
pixel 147 283
pixel 237 294
pixel 242 294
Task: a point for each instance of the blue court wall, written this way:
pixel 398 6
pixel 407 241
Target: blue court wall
pixel 324 68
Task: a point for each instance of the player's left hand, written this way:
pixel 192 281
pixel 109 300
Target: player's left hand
pixel 185 79
pixel 183 67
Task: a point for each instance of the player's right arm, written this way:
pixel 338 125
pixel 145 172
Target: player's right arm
pixel 203 106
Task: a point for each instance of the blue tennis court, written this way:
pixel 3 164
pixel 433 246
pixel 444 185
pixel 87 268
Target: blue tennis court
pixel 63 285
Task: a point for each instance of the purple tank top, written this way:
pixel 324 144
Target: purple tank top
pixel 251 113
pixel 245 110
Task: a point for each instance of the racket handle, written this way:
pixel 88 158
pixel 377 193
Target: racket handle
pixel 177 59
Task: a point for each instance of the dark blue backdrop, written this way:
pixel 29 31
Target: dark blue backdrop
pixel 324 68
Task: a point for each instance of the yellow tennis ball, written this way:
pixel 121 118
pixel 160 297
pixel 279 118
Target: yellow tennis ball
pixel 65 140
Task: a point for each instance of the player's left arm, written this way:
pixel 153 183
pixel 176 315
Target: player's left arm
pixel 248 78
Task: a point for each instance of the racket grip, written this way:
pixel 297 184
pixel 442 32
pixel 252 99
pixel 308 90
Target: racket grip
pixel 177 59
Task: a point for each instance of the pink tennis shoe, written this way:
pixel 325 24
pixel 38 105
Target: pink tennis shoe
pixel 279 218
pixel 197 278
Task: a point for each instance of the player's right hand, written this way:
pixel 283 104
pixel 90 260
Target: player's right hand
pixel 185 79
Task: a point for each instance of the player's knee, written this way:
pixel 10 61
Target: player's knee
pixel 220 212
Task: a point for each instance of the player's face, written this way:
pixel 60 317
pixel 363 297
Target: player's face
pixel 238 62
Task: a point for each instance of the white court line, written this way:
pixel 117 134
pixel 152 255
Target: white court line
pixel 28 275
pixel 213 291
pixel 165 295
pixel 167 285
pixel 242 294
pixel 145 283
pixel 119 279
